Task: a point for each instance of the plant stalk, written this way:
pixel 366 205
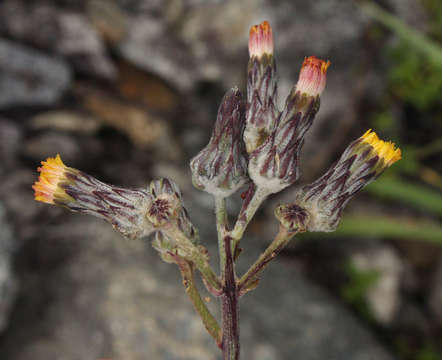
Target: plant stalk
pixel 247 212
pixel 249 279
pixel 230 307
pixel 222 229
pixel 192 292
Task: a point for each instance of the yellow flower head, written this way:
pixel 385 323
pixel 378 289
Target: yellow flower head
pixel 385 150
pixel 51 174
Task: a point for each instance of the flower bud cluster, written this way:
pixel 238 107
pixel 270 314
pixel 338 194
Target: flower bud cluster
pixel 273 139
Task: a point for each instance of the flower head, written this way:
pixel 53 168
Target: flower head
pixel 361 163
pixel 313 76
pixel 125 209
pixel 261 40
pixel 52 174
pixel 262 93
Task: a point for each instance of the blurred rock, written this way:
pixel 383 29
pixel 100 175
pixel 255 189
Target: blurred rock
pixel 65 120
pixel 186 43
pixel 10 143
pixel 28 77
pixel 8 281
pixel 17 195
pixel 57 30
pixel 101 296
pixel 109 19
pixel 51 143
pixel 145 89
pixel 383 297
pixel 144 128
pixel 435 296
pixel 81 44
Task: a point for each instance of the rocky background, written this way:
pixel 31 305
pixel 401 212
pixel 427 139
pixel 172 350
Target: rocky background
pixel 127 90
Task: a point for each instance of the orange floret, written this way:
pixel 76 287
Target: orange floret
pixel 313 76
pixel 51 173
pixel 385 150
pixel 261 39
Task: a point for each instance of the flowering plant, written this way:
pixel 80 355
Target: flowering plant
pixel 253 144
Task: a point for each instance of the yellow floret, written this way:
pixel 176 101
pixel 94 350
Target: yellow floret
pixel 385 150
pixel 51 173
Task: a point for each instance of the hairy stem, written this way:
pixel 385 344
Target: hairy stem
pixel 222 228
pixel 209 321
pixel 249 279
pixel 247 212
pixel 230 307
pixel 194 254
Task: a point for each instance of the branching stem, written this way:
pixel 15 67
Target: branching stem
pixel 247 212
pixel 198 258
pixel 209 321
pixel 250 277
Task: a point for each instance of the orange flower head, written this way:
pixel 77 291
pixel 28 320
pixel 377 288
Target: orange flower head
pixel 385 150
pixel 313 76
pixel 52 173
pixel 261 40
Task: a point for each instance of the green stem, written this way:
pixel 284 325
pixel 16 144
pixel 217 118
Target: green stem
pixel 249 279
pixel 194 254
pixel 209 321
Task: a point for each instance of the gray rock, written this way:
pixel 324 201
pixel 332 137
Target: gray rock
pixel 8 281
pixel 59 31
pixel 50 143
pixel 17 195
pixel 28 77
pixel 65 120
pixel 10 143
pixel 115 299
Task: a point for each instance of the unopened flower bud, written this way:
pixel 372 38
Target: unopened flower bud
pixel 125 209
pixel 313 76
pixel 221 167
pixel 262 112
pixel 274 164
pixel 361 163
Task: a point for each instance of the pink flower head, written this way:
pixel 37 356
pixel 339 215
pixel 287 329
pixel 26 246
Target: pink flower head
pixel 261 40
pixel 313 76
